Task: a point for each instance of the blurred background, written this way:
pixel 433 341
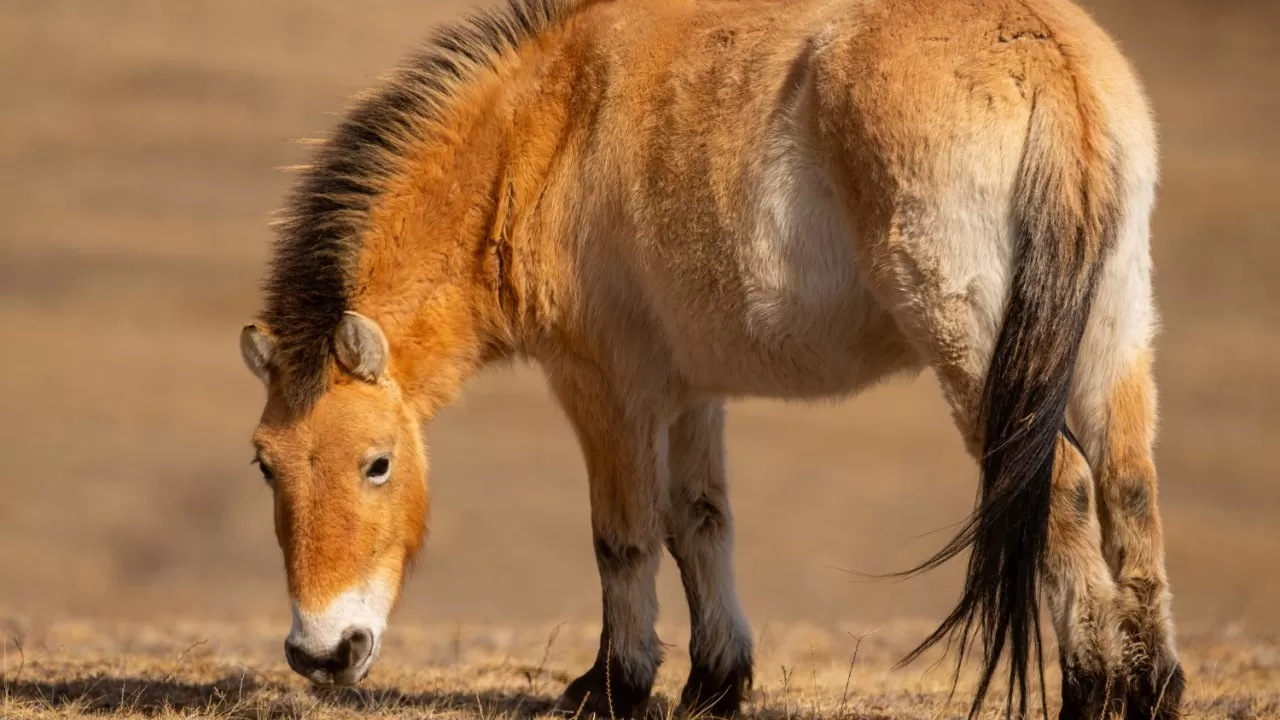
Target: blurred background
pixel 139 141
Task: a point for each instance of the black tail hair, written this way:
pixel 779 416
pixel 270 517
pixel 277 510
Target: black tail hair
pixel 1066 210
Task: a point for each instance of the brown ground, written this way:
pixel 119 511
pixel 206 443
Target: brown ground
pixel 138 141
pixel 470 672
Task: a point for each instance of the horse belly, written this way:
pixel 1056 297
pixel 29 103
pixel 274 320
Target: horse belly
pixel 804 323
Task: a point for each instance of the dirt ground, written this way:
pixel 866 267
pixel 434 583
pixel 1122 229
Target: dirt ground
pixel 232 672
pixel 139 141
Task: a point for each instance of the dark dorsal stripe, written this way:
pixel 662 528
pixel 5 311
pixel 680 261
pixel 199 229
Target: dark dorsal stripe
pixel 310 279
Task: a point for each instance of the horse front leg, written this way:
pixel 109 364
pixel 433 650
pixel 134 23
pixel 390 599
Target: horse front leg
pixel 624 449
pixel 700 538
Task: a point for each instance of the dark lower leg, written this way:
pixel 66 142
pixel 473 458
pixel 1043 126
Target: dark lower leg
pixel 1132 540
pixel 628 486
pixel 1149 665
pixel 1118 428
pixel 700 537
pixel 619 683
pixel 720 675
pixel 628 550
pixel 1080 591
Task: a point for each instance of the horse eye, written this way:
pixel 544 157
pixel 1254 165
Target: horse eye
pixel 267 475
pixel 378 469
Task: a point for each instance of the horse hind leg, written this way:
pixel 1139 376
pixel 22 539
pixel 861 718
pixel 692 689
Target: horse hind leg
pixel 1114 411
pixel 1078 586
pixel 1134 546
pixel 1080 592
pixel 945 284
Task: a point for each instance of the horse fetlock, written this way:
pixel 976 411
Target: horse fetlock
pixel 716 692
pixel 1089 692
pixel 1123 665
pixel 1151 675
pixel 610 689
pixel 1089 656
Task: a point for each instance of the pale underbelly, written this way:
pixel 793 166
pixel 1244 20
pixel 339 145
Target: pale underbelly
pixel 800 352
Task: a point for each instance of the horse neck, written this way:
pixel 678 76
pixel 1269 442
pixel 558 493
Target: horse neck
pixel 453 267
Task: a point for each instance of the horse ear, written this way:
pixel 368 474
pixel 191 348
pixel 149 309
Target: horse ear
pixel 361 347
pixel 257 345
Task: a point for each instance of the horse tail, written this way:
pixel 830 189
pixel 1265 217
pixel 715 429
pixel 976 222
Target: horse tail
pixel 1066 211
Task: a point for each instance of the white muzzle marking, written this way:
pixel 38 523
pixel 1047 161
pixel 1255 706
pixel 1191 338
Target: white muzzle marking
pixel 320 634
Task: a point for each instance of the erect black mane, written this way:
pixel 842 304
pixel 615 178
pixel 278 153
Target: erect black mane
pixel 310 280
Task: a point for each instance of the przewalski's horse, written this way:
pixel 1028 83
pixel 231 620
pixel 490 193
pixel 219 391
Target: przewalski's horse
pixel 667 203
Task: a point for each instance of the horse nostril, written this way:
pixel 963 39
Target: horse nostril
pixel 301 662
pixel 352 654
pixel 358 644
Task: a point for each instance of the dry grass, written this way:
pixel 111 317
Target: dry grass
pixel 137 145
pixel 70 669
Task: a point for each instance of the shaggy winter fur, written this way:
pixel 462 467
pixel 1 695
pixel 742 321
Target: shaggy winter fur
pixel 669 203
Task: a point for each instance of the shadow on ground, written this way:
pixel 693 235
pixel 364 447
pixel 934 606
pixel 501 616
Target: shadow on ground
pixel 487 703
pixel 240 697
pixel 107 695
